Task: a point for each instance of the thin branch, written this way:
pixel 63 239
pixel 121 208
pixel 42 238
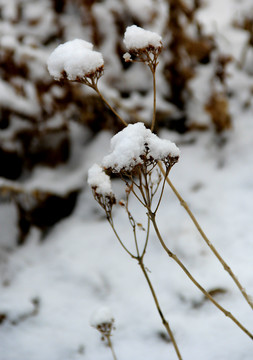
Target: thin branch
pixel 111 347
pixel 164 321
pixel 109 106
pixel 195 282
pixel 120 241
pixel 154 100
pixel 147 238
pixel 161 195
pixel 205 238
pixel 133 224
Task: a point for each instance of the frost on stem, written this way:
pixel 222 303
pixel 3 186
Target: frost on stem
pixel 76 60
pixel 141 44
pixel 101 186
pixel 135 146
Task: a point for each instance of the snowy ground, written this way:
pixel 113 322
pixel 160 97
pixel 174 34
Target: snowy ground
pixel 50 289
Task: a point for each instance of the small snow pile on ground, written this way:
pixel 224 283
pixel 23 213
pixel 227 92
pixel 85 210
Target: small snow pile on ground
pixel 98 179
pixel 137 38
pixel 101 316
pixel 129 146
pixel 76 59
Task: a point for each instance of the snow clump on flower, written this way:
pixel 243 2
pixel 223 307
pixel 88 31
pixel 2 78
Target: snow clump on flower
pixel 101 316
pixel 135 145
pixel 100 184
pixel 75 60
pixel 136 38
pixel 99 181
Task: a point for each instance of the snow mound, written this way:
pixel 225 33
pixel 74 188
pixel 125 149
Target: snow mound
pixel 132 144
pixel 75 58
pixel 101 316
pixel 137 38
pixel 98 179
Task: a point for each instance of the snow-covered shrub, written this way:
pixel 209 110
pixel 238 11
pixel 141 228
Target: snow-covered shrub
pixel 140 158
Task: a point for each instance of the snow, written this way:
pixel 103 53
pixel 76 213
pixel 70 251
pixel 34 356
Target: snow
pixel 99 180
pixel 128 146
pixel 102 315
pixel 137 38
pixel 76 58
pixel 79 265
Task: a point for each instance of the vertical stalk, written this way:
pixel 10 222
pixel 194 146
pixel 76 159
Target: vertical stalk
pixel 154 99
pixel 164 321
pixel 207 241
pixel 111 347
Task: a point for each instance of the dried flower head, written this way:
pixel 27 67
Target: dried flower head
pixel 141 44
pixel 135 146
pixel 76 61
pixel 100 183
pixel 103 321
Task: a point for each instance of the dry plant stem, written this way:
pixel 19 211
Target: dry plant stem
pixel 142 266
pixel 165 323
pixel 111 347
pixel 154 100
pixel 208 242
pixel 175 258
pixel 109 106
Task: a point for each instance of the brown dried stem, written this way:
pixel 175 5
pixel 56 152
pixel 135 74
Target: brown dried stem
pixel 142 266
pixel 109 342
pixel 164 321
pixel 205 238
pixel 195 282
pixel 109 106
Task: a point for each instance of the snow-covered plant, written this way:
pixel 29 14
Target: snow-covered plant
pixel 76 61
pixel 134 157
pixel 144 46
pixel 103 320
pixel 142 161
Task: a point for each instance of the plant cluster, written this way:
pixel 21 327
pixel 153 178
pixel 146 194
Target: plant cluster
pixel 140 159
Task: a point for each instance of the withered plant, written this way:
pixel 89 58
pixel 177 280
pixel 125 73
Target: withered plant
pixel 103 321
pixel 142 161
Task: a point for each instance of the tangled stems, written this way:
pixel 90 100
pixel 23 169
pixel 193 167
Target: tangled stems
pixel 205 238
pixel 145 193
pixel 145 198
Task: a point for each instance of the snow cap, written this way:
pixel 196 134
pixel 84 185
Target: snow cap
pixel 101 316
pixel 129 146
pixel 100 181
pixel 136 38
pixel 75 59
